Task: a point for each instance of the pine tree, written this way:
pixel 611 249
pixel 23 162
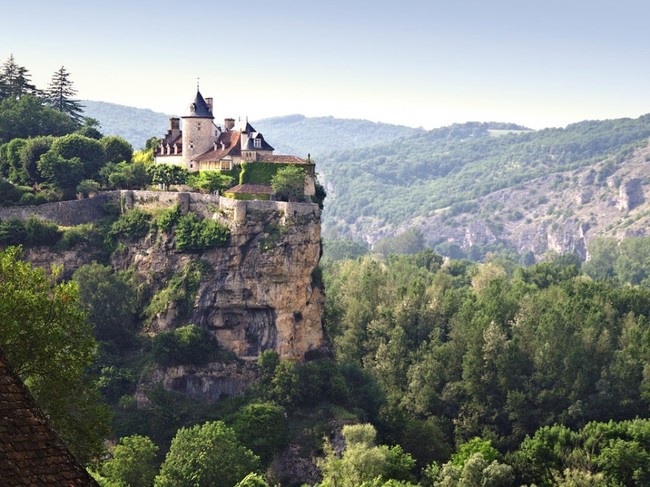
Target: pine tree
pixel 59 95
pixel 15 80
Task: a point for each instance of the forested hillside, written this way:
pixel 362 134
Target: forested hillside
pixel 136 125
pixel 426 179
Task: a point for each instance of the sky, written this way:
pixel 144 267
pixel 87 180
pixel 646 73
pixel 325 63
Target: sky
pixel 420 63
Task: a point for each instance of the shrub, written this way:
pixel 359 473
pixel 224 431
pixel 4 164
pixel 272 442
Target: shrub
pixel 194 234
pixel 12 232
pixel 132 225
pixel 169 218
pixel 185 345
pixel 39 232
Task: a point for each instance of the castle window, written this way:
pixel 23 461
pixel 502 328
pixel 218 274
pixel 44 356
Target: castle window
pixel 198 126
pixel 191 145
pixel 257 143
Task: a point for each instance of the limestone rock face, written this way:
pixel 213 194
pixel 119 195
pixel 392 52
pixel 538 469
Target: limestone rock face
pixel 262 291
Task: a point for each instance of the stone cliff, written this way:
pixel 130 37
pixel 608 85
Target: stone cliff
pixel 262 290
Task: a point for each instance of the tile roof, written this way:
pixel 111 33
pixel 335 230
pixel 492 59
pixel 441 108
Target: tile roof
pixel 231 147
pixel 284 159
pixel 31 453
pixel 250 189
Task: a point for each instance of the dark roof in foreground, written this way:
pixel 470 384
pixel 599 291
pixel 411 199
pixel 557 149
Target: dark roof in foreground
pixel 31 453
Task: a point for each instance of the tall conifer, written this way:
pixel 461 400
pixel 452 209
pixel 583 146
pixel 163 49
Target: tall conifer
pixel 59 95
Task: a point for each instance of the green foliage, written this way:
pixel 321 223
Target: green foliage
pixel 9 192
pixel 31 233
pixel 362 461
pixel 410 241
pixel 132 225
pixel 396 182
pixel 259 172
pixel 116 149
pixel 185 345
pixel 210 181
pixel 64 174
pixel 195 234
pixel 209 454
pixel 109 303
pixel 167 174
pixel 169 218
pixel 252 480
pixel 47 340
pixel 132 462
pixel 179 292
pixel 59 95
pixel 28 116
pixel 267 417
pixel 126 175
pixel 475 445
pixel 30 154
pixel 288 183
pixel 89 152
pixel 87 186
pixel 341 249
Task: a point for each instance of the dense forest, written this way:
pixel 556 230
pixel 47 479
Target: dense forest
pixel 453 166
pixel 437 371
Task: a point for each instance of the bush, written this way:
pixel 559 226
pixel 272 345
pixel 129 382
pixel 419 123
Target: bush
pixel 185 345
pixel 132 225
pixel 169 218
pixel 194 234
pixel 39 232
pixel 12 232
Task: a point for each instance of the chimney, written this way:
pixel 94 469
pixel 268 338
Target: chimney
pixel 174 123
pixel 208 101
pixel 229 123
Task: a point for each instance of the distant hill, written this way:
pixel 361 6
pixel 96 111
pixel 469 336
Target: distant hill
pixel 290 134
pixel 300 135
pixel 136 125
pixel 550 190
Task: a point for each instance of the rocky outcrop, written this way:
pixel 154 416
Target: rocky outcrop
pixel 262 290
pixel 630 194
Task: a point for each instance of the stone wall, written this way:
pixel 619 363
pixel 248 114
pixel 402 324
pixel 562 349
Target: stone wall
pixel 77 212
pixel 66 213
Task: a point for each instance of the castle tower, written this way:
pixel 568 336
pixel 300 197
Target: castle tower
pixel 199 131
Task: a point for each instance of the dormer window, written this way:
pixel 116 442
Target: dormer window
pixel 257 143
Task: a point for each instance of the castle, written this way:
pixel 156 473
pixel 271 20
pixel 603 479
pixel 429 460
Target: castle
pixel 202 145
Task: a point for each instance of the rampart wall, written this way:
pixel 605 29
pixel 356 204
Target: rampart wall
pixel 77 212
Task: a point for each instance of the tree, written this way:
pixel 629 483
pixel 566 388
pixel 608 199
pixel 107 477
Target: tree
pixel 59 96
pixel 362 461
pixel 89 152
pixel 125 175
pixel 46 338
pixel 108 301
pixel 266 417
pixel 64 174
pixel 289 183
pixel 208 454
pixel 210 181
pixel 29 117
pixel 167 174
pixel 31 152
pixel 116 149
pixel 15 80
pixel 132 462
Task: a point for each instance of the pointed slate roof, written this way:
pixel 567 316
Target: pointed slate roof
pixel 31 453
pixel 199 108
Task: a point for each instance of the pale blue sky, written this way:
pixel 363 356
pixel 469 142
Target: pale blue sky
pixel 413 62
